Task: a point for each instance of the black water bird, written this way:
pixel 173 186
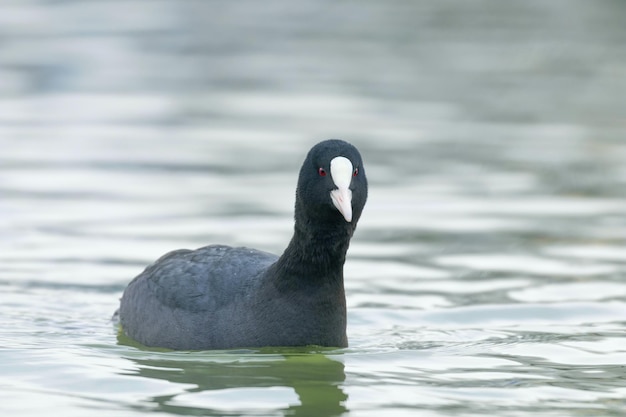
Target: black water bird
pixel 220 297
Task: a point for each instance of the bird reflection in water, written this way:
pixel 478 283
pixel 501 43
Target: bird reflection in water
pixel 315 377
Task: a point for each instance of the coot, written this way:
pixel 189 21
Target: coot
pixel 220 297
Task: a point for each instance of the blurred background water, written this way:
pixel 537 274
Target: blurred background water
pixel 487 274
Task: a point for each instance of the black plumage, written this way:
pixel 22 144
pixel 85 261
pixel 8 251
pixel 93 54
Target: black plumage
pixel 219 297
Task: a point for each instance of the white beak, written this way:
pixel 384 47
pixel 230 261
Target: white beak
pixel 341 172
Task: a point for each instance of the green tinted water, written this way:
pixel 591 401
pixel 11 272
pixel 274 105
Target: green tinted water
pixel 487 273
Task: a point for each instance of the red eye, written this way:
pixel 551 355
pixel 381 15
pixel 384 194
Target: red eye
pixel 356 172
pixel 322 172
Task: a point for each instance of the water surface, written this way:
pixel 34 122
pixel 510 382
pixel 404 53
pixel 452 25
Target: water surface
pixel 487 273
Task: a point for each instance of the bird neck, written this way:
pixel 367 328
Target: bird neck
pixel 315 256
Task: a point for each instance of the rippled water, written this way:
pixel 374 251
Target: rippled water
pixel 487 273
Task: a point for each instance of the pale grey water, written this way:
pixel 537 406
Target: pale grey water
pixel 487 273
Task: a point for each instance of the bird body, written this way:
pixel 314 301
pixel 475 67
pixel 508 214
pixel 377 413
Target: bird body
pixel 219 297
